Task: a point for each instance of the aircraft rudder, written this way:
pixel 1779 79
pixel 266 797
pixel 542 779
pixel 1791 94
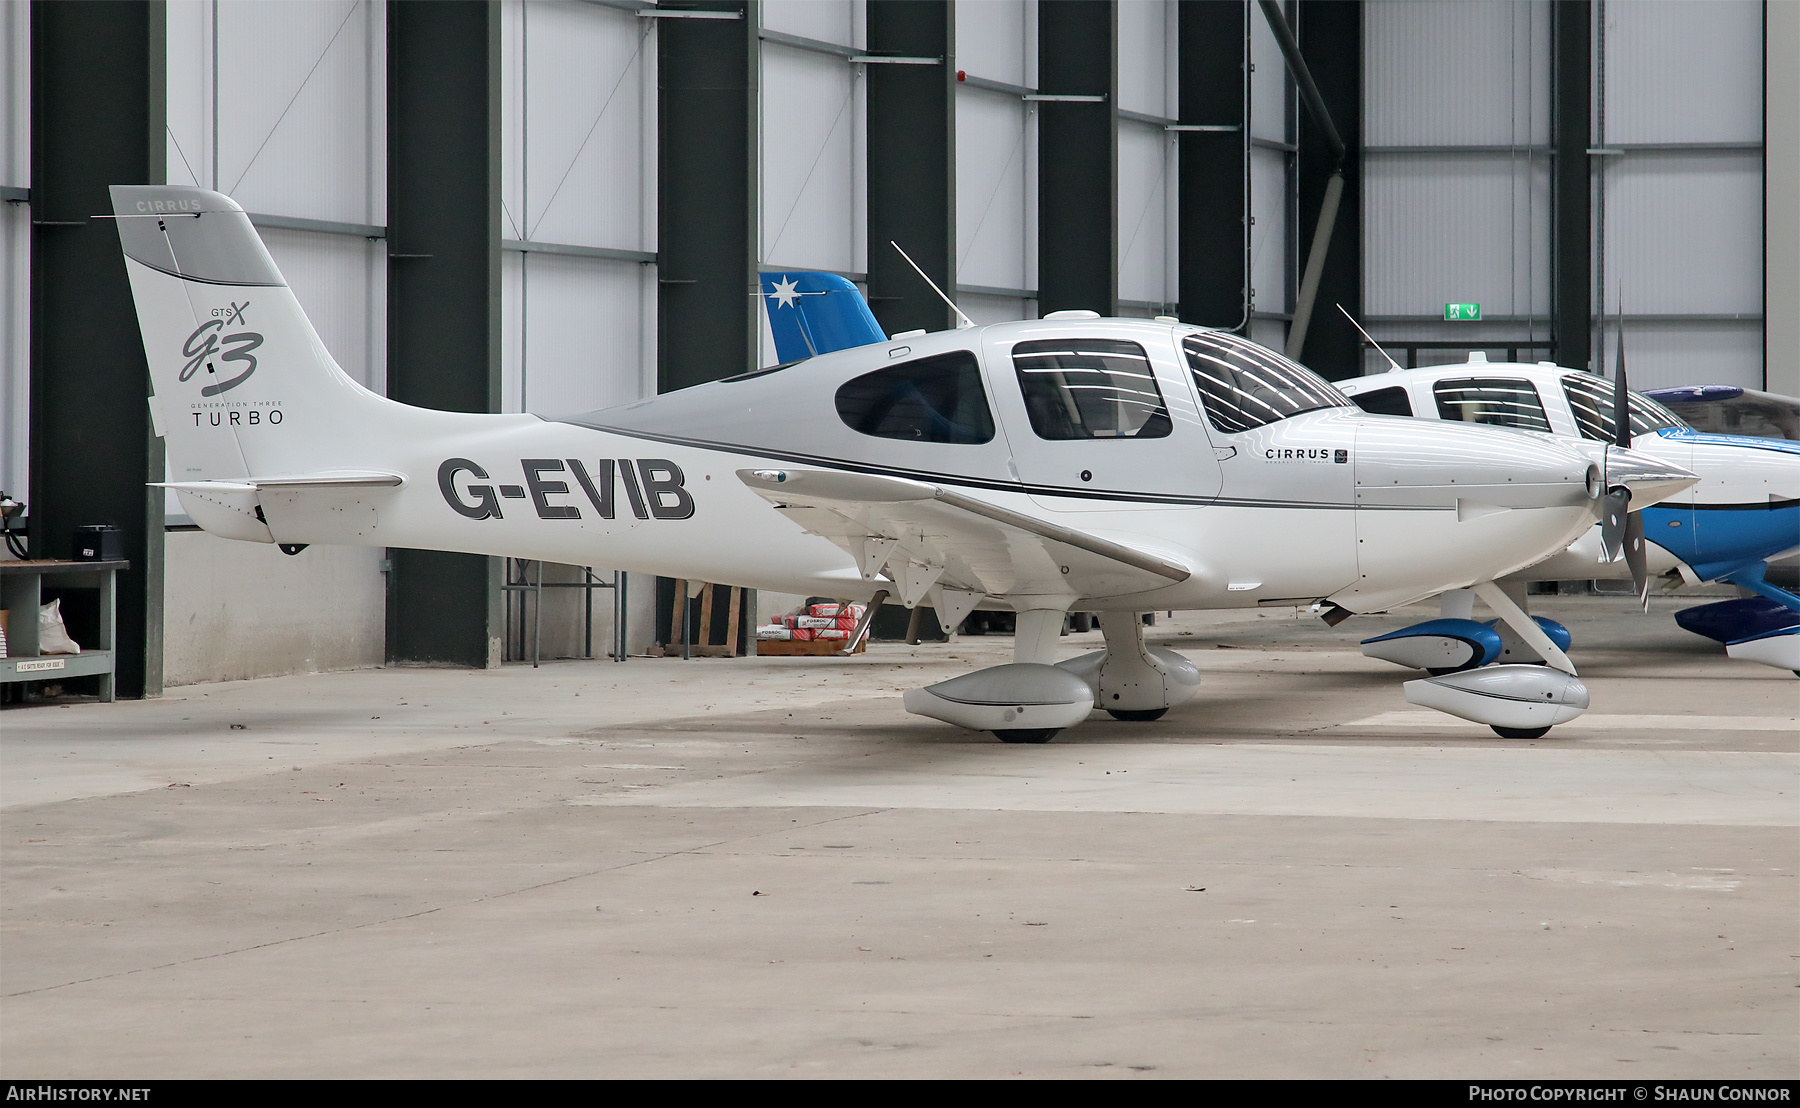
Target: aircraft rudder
pixel 813 312
pixel 232 355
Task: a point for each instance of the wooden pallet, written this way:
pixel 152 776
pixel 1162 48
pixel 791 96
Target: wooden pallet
pixel 735 599
pixel 702 651
pixel 805 648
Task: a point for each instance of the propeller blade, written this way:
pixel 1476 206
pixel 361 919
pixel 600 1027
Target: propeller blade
pixel 1615 514
pixel 1621 394
pixel 1634 557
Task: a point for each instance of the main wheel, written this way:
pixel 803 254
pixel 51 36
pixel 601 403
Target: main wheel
pixel 1521 732
pixel 1137 717
pixel 1027 735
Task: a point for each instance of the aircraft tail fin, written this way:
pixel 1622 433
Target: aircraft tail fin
pixel 816 313
pixel 241 384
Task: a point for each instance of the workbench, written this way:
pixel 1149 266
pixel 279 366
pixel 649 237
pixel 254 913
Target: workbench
pixel 21 594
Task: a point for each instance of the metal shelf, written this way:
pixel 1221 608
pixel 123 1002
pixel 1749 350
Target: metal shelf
pixel 520 580
pixel 21 593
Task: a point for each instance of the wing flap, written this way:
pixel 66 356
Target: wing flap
pixel 924 536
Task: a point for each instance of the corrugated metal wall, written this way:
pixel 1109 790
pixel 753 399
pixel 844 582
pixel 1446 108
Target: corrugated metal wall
pixel 282 106
pixel 813 155
pixel 813 128
pixel 1457 179
pixel 1681 220
pixel 1456 197
pixel 1148 163
pixel 578 167
pixel 996 159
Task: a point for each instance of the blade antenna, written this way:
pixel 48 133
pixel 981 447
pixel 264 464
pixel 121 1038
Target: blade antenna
pixel 966 321
pixel 1393 366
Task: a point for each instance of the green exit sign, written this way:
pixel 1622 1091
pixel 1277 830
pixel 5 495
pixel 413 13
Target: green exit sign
pixel 1462 311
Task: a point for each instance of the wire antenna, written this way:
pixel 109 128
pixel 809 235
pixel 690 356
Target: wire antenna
pixel 966 321
pixel 1393 366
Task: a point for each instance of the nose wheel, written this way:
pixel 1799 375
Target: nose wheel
pixel 1521 732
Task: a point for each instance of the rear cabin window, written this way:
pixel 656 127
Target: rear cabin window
pixel 1388 401
pixel 1245 385
pixel 1591 401
pixel 1090 389
pixel 935 399
pixel 1495 401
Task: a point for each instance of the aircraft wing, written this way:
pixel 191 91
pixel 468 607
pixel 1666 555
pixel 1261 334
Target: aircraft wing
pixel 929 537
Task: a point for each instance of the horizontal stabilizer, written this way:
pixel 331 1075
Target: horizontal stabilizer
pixel 297 508
pixel 300 481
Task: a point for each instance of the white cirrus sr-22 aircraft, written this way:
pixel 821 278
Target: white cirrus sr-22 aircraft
pixel 1071 463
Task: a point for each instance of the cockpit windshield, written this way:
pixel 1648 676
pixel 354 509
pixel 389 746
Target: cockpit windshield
pixel 1591 400
pixel 1245 385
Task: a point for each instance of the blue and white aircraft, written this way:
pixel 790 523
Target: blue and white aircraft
pixel 1066 464
pixel 1733 410
pixel 1744 512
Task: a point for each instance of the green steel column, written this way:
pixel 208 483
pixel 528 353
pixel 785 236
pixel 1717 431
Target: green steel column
pixel 98 101
pixel 912 164
pixel 1571 200
pixel 706 220
pixel 1215 230
pixel 1330 33
pixel 1078 143
pixel 444 292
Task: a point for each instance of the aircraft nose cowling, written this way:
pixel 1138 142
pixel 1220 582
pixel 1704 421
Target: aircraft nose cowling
pixel 1419 464
pixel 1443 505
pixel 1650 479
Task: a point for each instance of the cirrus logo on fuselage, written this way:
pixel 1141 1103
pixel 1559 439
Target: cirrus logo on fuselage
pixel 208 344
pixel 1307 454
pixel 654 488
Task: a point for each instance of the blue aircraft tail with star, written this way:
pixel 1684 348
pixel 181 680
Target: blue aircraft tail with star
pixel 815 313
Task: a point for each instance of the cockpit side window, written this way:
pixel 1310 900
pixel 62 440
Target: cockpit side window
pixel 1495 401
pixel 935 399
pixel 1389 401
pixel 1090 389
pixel 1245 385
pixel 1591 401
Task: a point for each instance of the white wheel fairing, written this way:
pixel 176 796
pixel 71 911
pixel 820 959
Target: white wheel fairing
pixel 1018 696
pixel 1781 651
pixel 1518 697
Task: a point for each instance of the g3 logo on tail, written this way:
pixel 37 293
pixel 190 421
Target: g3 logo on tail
pixel 207 342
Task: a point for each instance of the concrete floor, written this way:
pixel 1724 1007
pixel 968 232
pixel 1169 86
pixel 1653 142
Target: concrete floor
pixel 763 867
